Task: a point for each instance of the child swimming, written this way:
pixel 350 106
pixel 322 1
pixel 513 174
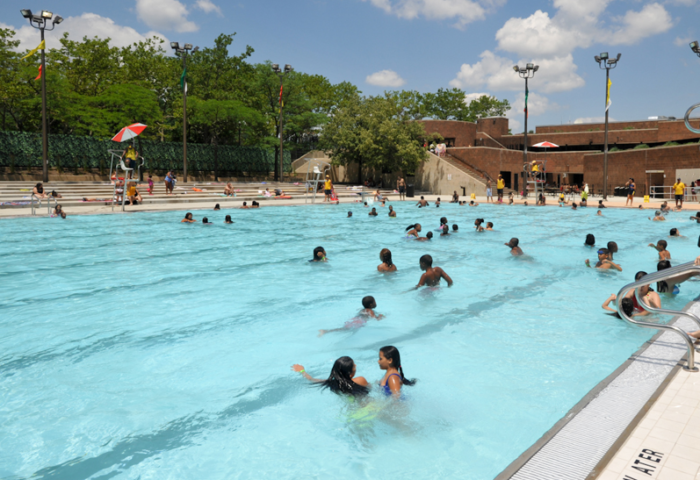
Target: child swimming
pixel 319 255
pixel 387 264
pixel 661 248
pixel 514 248
pixel 342 380
pixel 393 379
pixel 360 320
pixel 413 230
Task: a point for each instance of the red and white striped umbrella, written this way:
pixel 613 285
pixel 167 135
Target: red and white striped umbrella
pixel 127 133
pixel 546 145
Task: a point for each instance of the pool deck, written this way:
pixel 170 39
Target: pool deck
pixel 102 209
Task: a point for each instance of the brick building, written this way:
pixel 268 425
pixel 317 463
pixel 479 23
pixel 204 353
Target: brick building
pixel 653 152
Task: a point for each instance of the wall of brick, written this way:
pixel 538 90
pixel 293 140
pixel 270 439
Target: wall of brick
pixel 464 133
pixel 493 126
pixel 583 127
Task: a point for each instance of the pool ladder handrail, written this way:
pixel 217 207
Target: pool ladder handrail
pixel 657 277
pixel 48 203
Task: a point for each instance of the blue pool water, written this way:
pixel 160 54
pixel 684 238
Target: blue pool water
pixel 133 346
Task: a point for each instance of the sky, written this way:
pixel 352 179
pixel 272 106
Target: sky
pixel 424 45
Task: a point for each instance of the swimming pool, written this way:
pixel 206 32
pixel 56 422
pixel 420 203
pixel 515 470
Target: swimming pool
pixel 134 346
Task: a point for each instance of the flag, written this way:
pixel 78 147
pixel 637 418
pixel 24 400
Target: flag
pixel 281 102
pixel 38 76
pixel 527 94
pixel 607 99
pixel 183 82
pixel 41 46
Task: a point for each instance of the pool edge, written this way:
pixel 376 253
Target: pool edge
pixel 516 465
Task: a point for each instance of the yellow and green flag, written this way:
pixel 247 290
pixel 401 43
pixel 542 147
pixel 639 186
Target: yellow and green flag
pixel 41 46
pixel 607 100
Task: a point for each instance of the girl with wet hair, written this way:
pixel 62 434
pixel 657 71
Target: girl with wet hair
pixel 387 264
pixel 319 255
pixel 627 306
pixel 612 247
pixel 590 240
pixel 228 219
pixel 477 224
pixel 188 218
pixel 413 230
pixel 394 379
pixel 342 380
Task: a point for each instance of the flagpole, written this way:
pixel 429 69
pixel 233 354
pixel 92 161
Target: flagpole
pixel 525 146
pixel 44 127
pixel 605 147
pixel 184 120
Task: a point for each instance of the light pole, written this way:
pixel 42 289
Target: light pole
pixel 695 47
pixel 607 63
pixel 183 82
pixel 276 68
pixel 39 21
pixel 527 73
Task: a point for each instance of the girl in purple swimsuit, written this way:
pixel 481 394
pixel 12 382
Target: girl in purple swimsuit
pixel 394 379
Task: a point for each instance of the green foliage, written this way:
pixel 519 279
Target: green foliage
pixel 641 146
pixel 614 149
pixel 376 132
pixel 449 105
pixel 670 144
pixel 629 128
pixel 71 152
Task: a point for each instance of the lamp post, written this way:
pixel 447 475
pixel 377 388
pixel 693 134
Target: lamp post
pixel 276 68
pixel 607 63
pixel 695 47
pixel 183 51
pixel 527 73
pixel 40 21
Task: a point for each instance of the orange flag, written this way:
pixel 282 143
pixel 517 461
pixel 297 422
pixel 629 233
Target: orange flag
pixel 38 76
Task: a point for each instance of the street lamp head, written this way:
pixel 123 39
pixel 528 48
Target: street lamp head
pixel 619 55
pixel 604 56
pixel 26 13
pixel 516 68
pixel 57 20
pixel 196 49
pixel 188 46
pixel 288 68
pixel 46 14
pixel 530 66
pixel 537 67
pixel 275 67
pixel 694 46
pixel 175 45
pixel 597 59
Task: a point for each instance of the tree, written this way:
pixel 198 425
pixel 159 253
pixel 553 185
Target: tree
pixel 451 105
pixel 375 132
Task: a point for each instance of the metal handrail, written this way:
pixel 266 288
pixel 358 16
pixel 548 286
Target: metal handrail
pixel 656 277
pixel 48 203
pixel 687 119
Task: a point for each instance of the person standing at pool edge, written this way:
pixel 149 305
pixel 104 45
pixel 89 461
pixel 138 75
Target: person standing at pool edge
pixel 500 185
pixel 394 379
pixel 401 187
pixel 328 189
pixel 679 188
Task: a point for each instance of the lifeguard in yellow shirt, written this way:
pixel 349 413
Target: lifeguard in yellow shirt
pixel 679 188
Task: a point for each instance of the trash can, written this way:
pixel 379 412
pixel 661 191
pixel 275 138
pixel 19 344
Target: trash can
pixel 410 192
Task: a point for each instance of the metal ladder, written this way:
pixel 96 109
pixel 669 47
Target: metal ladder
pixel 315 176
pixel 120 166
pixel 48 203
pixel 532 180
pixel 657 277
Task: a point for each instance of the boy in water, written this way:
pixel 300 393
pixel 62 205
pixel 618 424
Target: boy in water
pixel 360 320
pixel 422 202
pixel 604 261
pixel 392 213
pixel 427 238
pixel 661 248
pixel 432 275
pixel 489 226
pixel 657 217
pixel 373 213
pixel 349 214
pixel 445 230
pixel 455 228
pixel 515 250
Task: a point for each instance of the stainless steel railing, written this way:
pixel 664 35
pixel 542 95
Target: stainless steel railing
pixel 38 200
pixel 687 119
pixel 657 277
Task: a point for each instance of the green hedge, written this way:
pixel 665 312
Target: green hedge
pixel 20 151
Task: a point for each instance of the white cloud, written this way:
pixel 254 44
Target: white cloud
pixel 579 24
pixel 496 73
pixel 536 105
pixel 165 14
pixel 682 41
pixel 208 6
pixel 463 11
pixel 87 24
pixel 470 97
pixel 385 78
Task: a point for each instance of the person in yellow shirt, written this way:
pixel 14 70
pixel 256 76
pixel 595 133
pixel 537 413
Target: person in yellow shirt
pixel 131 155
pixel 679 187
pixel 500 185
pixel 328 189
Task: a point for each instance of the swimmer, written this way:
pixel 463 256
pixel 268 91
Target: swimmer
pixel 413 230
pixel 600 204
pixel 255 204
pixel 600 214
pixel 627 306
pixel 437 203
pixel 675 233
pixel 477 224
pixel 422 202
pixel 387 264
pixel 63 215
pixel 428 237
pixel 515 250
pixel 573 205
pixel 649 297
pixel 432 275
pixel 206 221
pixel 188 218
pixel 489 226
pixel 665 208
pixel 455 228
pixel 217 207
pixel 228 219
pixel 373 213
pixel 443 222
pixel 349 214
pixel 670 286
pixel 473 204
pixel 57 210
pixel 657 217
pixel 641 207
pixel 342 380
pixel 696 217
pixel 525 203
pixel 612 248
pixel 393 379
pixel 366 205
pixel 604 262
pixel 392 212
pixel 319 255
pixel 360 320
pixel 378 196
pixel 445 230
pixel 245 205
pixel 590 240
pixel 661 248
